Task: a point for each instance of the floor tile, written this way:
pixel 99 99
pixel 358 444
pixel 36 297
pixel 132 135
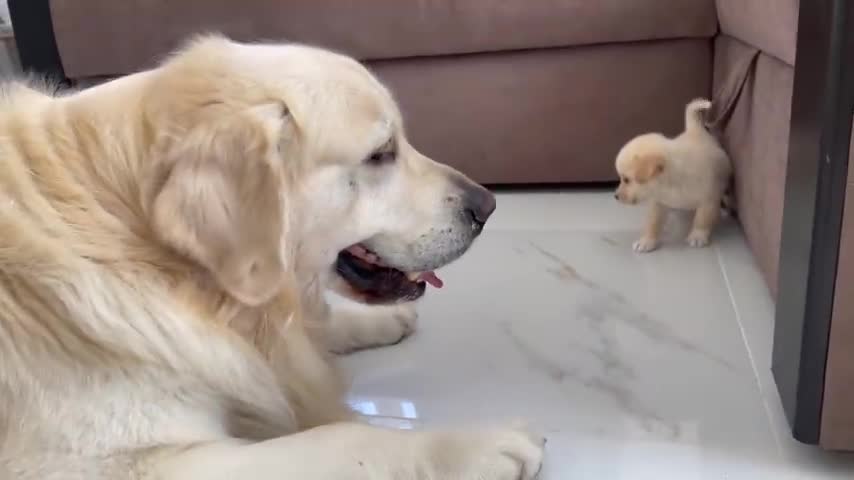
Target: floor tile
pixel 636 366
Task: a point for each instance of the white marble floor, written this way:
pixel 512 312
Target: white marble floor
pixel 636 366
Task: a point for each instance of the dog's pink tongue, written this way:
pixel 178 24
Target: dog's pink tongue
pixel 432 279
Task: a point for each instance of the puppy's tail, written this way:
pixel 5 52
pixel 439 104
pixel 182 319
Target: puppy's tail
pixel 694 115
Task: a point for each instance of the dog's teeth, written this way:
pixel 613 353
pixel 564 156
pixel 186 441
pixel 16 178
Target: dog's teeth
pixel 413 276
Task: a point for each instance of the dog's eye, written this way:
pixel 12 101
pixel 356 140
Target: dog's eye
pixel 626 180
pixel 383 155
pixel 380 158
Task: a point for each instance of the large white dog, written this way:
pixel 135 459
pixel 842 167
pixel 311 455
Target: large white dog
pixel 165 243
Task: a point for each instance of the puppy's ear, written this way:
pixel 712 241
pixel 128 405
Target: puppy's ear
pixel 649 166
pixel 217 198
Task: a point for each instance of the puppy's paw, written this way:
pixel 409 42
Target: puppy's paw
pixel 513 453
pixel 698 238
pixel 645 244
pixel 385 325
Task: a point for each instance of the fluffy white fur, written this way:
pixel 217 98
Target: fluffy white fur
pixel 687 172
pixel 167 241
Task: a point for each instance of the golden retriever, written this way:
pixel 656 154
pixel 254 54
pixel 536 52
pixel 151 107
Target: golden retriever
pixel 167 239
pixel 688 172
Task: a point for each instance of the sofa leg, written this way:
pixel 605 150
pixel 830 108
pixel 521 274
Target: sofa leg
pixel 36 40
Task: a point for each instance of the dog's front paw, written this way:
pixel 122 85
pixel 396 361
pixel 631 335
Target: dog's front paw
pixel 645 244
pixel 524 448
pixel 698 238
pixel 502 454
pixel 377 327
pixel 406 318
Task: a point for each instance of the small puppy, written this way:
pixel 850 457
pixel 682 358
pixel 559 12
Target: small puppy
pixel 688 172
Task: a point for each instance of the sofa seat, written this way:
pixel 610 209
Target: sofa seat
pixel 509 91
pixel 129 35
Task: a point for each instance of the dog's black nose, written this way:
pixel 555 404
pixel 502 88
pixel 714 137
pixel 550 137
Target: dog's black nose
pixel 478 202
pixel 616 196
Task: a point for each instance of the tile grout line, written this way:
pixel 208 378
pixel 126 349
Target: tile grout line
pixel 762 397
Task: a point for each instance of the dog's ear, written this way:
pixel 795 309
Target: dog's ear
pixel 217 197
pixel 648 166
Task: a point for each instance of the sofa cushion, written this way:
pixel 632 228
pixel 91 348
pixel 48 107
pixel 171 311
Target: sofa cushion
pixel 769 25
pixel 556 115
pixel 756 136
pixel 108 37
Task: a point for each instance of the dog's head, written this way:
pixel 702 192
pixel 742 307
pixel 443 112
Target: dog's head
pixel 271 159
pixel 640 164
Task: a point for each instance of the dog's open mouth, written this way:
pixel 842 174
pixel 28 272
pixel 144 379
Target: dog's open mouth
pixel 375 282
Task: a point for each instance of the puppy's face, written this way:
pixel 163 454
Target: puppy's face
pixel 639 167
pixel 305 153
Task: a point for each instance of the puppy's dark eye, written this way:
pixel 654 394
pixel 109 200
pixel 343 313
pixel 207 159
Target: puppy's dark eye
pixel 626 180
pixel 381 158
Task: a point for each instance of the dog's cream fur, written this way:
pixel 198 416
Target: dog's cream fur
pixel 688 172
pixel 166 241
